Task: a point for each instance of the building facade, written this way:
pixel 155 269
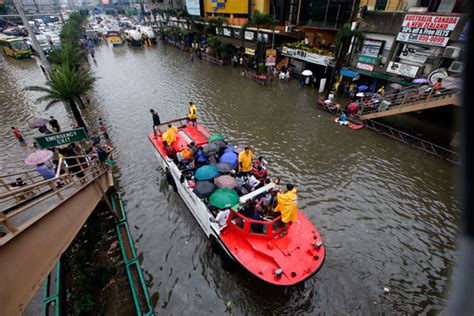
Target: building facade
pixel 401 46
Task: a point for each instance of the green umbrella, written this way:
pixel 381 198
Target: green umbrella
pixel 224 198
pixel 213 137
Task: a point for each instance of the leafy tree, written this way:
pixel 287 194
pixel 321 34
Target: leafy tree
pixel 67 85
pixel 69 54
pixel 260 19
pixel 213 24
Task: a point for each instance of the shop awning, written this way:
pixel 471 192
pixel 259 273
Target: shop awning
pixel 349 73
pixel 383 77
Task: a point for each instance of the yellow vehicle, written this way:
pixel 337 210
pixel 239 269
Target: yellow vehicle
pixel 15 47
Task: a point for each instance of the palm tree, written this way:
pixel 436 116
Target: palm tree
pixel 343 41
pixel 69 54
pixel 67 86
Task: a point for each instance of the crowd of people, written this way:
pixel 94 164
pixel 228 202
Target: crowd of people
pixel 249 172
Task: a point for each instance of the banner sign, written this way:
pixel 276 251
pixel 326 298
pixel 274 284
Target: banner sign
pixel 248 36
pixel 262 37
pixel 427 29
pixel 364 66
pixel 63 138
pixel 402 69
pixel 368 60
pixel 417 54
pixel 322 85
pixel 193 7
pixel 270 59
pixel 249 51
pixel 227 32
pixel 308 57
pixel 371 48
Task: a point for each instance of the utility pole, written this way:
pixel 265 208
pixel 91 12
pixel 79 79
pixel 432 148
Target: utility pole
pixel 34 40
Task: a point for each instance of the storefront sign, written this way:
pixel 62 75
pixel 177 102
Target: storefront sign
pixel 227 32
pixel 364 66
pixel 270 59
pixel 193 7
pixel 371 48
pixel 402 69
pixel 368 60
pixel 248 36
pixel 308 57
pixel 417 54
pixel 63 138
pixel 237 34
pixel 427 29
pixel 249 51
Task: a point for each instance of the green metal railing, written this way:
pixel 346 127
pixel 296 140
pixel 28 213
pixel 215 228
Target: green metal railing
pixel 53 300
pixel 134 272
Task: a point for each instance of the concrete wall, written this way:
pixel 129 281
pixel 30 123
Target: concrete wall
pixel 382 22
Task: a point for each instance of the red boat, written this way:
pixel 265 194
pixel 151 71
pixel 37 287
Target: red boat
pixel 258 245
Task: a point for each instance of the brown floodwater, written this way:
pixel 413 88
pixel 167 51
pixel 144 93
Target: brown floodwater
pixel 388 213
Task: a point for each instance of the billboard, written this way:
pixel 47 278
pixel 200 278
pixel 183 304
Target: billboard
pixel 427 29
pixel 193 7
pixel 404 70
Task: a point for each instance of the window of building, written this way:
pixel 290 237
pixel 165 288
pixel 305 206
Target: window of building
pixel 446 6
pixel 381 5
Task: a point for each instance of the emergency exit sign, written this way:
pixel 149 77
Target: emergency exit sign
pixel 61 139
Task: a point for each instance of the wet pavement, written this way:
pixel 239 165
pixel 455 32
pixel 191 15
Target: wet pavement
pixel 388 213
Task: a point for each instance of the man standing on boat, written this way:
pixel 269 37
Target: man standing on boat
pixel 192 113
pixel 156 120
pixel 245 161
pixel 287 206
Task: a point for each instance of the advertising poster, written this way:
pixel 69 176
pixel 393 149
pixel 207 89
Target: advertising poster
pixel 270 59
pixel 427 29
pixel 193 7
pixel 402 69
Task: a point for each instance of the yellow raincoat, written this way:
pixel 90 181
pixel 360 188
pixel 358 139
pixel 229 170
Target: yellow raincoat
pixel 287 205
pixel 170 135
pixel 246 161
pixel 192 112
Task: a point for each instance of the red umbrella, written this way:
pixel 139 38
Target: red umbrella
pixel 353 107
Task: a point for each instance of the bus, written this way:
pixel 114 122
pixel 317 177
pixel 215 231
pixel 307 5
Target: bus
pixel 15 47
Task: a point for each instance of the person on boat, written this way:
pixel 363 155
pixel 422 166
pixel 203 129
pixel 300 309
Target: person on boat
pixel 200 159
pixel 343 117
pixel 156 120
pixel 221 218
pixel 192 113
pixel 245 160
pixel 258 171
pixel 169 150
pixel 287 206
pixel 170 134
pixel 194 149
pixel 103 130
pixel 246 183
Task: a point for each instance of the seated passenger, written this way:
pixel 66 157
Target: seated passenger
pixel 260 173
pixel 169 150
pixel 200 159
pixel 246 183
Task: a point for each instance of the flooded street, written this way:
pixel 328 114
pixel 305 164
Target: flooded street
pixel 388 213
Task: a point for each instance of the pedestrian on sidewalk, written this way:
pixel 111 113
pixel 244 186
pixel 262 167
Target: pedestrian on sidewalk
pixel 18 136
pixel 103 130
pixel 156 120
pixel 54 124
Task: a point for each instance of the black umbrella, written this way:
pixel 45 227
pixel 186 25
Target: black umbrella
pixel 224 167
pixel 210 149
pixel 204 189
pixel 219 142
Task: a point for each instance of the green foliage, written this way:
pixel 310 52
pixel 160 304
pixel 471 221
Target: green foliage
pixel 213 24
pixel 345 34
pixel 259 18
pixel 3 8
pixel 69 54
pixel 67 85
